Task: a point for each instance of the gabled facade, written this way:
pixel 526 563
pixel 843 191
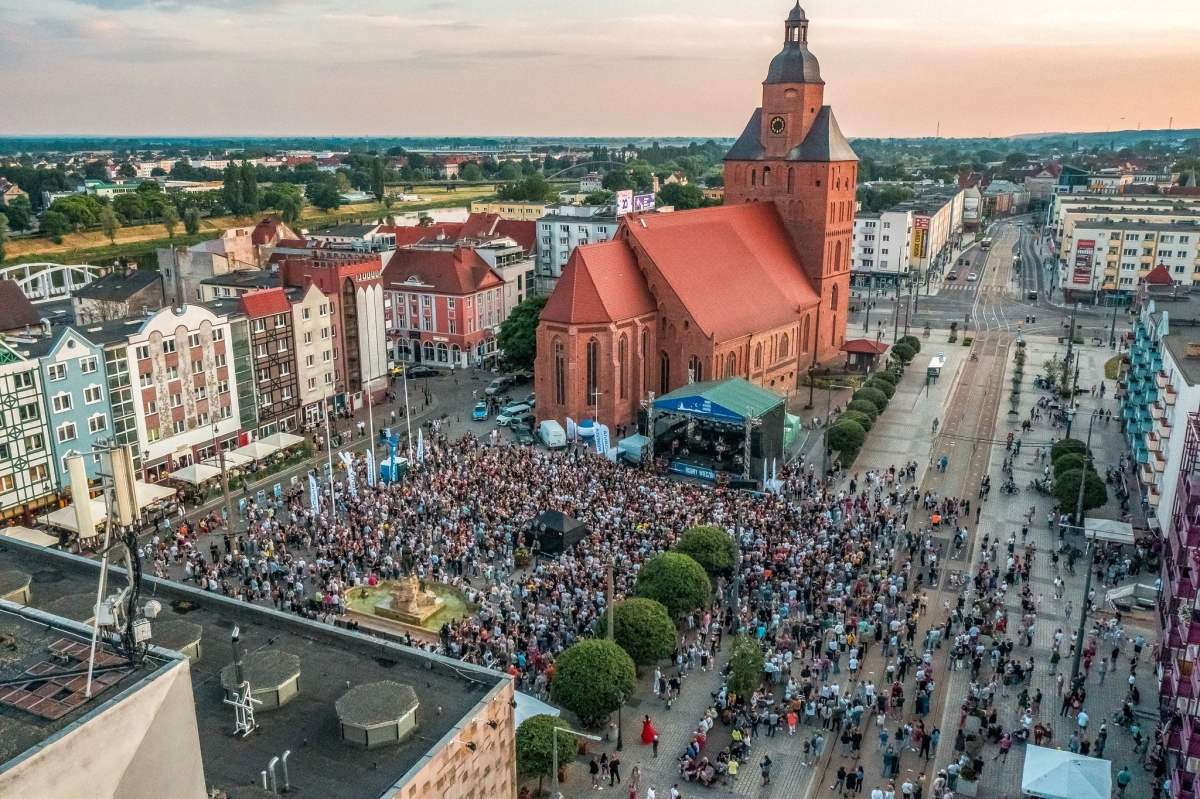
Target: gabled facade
pixel 27 475
pixel 314 352
pixel 273 355
pixel 77 399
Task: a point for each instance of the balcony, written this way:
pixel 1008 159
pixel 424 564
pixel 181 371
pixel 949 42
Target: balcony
pixel 1184 784
pixel 1185 736
pixel 1153 496
pixel 1179 680
pixel 1161 379
pixel 1183 628
pixel 1183 576
pixel 1169 395
pixel 1153 442
pixel 1158 460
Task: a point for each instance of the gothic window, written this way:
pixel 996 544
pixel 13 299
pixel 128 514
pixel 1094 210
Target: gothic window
pixel 833 295
pixel 645 360
pixel 837 261
pixel 695 368
pixel 664 380
pixel 804 335
pixel 833 331
pixel 622 345
pixel 783 346
pixel 758 356
pixel 791 180
pixel 731 365
pixel 766 176
pixel 593 372
pixel 753 177
pixel 560 373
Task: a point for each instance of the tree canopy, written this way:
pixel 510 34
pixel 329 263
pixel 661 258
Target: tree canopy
pixel 675 580
pixel 591 676
pixel 746 663
pixel 711 547
pixel 535 744
pixel 642 628
pixel 518 333
pixel 1066 490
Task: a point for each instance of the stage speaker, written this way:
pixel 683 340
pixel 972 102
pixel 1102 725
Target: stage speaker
pixel 756 443
pixel 744 485
pixel 643 423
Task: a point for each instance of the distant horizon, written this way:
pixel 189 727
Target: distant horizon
pixel 363 68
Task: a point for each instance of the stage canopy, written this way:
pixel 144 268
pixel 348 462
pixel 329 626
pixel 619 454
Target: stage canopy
pixel 728 400
pixel 1055 774
pixel 1108 530
pixel 531 706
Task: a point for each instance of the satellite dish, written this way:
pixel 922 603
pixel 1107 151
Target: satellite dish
pixel 152 609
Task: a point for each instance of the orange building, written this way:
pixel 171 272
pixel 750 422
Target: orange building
pixel 756 288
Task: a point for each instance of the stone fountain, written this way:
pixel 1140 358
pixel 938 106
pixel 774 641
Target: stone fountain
pixel 408 603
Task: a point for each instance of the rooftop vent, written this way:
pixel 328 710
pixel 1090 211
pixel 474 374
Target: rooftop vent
pixel 1193 349
pixel 378 713
pixel 274 677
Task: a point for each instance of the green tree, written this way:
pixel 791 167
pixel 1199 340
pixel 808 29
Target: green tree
pixel 470 172
pixel 126 171
pixel 83 211
pixel 518 333
pixel 861 418
pixel 1068 463
pixel 378 174
pixel 249 181
pixel 1066 490
pixel 617 180
pixel 232 189
pixel 95 170
pixel 191 220
pixel 324 195
pixel 109 223
pixel 533 188
pixel 911 341
pixel 675 580
pixel 590 677
pixel 746 664
pixel 864 407
pixel 683 198
pixel 598 198
pixel 846 437
pixel 902 352
pixel 1067 446
pixel 535 744
pixel 872 395
pixel 170 219
pixel 711 547
pixel 19 213
pixel 54 224
pixel 129 206
pixel 642 628
pixel 886 387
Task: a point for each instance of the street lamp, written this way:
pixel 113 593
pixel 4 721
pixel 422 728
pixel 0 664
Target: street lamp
pixel 554 749
pixel 620 727
pixel 825 437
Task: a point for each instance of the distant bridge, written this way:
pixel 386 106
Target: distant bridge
pixel 45 282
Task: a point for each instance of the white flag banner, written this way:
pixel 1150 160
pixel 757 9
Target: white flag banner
pixel 370 468
pixel 570 429
pixel 420 443
pixel 602 438
pixel 350 480
pixel 313 498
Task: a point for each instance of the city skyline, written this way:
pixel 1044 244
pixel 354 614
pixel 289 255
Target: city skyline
pixel 287 67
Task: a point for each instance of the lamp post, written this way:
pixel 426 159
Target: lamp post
pixel 620 727
pixel 825 437
pixel 870 292
pixel 554 754
pixel 224 477
pixel 1087 585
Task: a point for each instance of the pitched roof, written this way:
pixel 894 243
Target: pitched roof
pixel 1159 276
pixel 485 227
pixel 731 397
pixel 749 146
pixel 823 142
pixel 117 287
pixel 408 235
pixel 265 302
pixel 734 267
pixel 267 230
pixel 865 346
pixel 19 312
pixel 600 283
pixel 458 271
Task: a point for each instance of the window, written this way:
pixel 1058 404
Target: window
pixel 66 432
pixel 203 419
pixel 327 356
pixel 142 352
pixel 593 371
pixel 152 433
pixel 219 334
pixel 146 380
pixel 151 408
pixel 201 392
pixel 283 345
pixel 285 369
pixel 176 400
pixel 193 339
pixel 305 313
pixel 92 394
pixel 664 381
pixel 97 423
pixel 695 369
pixel 312 383
pixel 6 483
pixel 220 360
pixel 23 380
pixel 260 325
pixel 261 350
pixel 34 443
pixel 29 412
pixel 286 393
pixel 5 452
pixel 197 367
pixel 38 473
pixel 264 375
pixel 223 387
pixel 328 378
pixel 308 360
pixel 179 427
pixel 783 346
pixel 168 346
pixel 58 371
pixel 61 402
pixel 324 333
pixel 453 326
pixel 308 338
pixel 280 320
pixel 450 303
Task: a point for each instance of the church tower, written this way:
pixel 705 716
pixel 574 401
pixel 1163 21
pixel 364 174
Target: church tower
pixel 793 154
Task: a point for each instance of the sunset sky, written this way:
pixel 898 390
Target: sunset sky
pixel 579 68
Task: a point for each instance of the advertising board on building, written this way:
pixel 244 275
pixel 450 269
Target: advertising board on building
pixel 920 241
pixel 643 202
pixel 624 202
pixel 1085 250
pixel 691 470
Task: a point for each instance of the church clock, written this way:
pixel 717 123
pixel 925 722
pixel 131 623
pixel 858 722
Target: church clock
pixel 777 125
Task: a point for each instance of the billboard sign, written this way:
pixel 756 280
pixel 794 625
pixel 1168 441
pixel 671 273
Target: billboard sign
pixel 1085 250
pixel 920 241
pixel 643 202
pixel 624 202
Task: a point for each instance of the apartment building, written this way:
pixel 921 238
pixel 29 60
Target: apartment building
pixel 882 244
pixel 311 323
pixel 27 476
pixel 561 230
pixel 273 357
pixel 1108 257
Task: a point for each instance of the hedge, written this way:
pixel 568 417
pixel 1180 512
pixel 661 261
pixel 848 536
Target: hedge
pixel 864 407
pixel 857 416
pixel 873 396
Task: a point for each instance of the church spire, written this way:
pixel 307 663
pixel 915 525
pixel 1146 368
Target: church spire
pixel 795 29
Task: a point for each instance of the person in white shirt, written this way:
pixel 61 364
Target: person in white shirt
pixel 877 794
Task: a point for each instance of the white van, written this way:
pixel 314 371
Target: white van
pixel 552 434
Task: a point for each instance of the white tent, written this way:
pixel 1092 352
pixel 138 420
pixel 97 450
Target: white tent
pixel 281 440
pixel 195 474
pixel 36 537
pixel 232 460
pixel 255 450
pixel 149 493
pixel 1055 774
pixel 1108 530
pixel 67 519
pixel 529 706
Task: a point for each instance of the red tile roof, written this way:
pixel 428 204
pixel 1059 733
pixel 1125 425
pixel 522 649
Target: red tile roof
pixel 19 312
pixel 456 271
pixel 408 235
pixel 734 267
pixel 1159 276
pixel 264 302
pixel 522 231
pixel 865 346
pixel 600 283
pixel 266 231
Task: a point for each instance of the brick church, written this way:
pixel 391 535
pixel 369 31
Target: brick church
pixel 756 288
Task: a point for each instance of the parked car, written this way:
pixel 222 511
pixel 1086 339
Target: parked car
pixel 1032 295
pixel 521 377
pixel 480 412
pixel 512 411
pixel 953 275
pixel 523 433
pixel 552 434
pixel 422 371
pixel 530 400
pixel 972 277
pixel 497 386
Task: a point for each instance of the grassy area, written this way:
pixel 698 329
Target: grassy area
pixel 139 242
pixel 1112 367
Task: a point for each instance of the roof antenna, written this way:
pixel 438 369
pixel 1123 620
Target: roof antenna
pixel 243 705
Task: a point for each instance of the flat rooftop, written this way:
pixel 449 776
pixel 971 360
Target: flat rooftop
pixel 332 661
pixel 41 694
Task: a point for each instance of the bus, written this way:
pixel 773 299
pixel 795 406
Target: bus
pixel 986 244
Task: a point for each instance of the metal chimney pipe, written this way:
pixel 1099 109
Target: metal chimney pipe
pixel 264 780
pixel 271 769
pixel 237 659
pixel 287 782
